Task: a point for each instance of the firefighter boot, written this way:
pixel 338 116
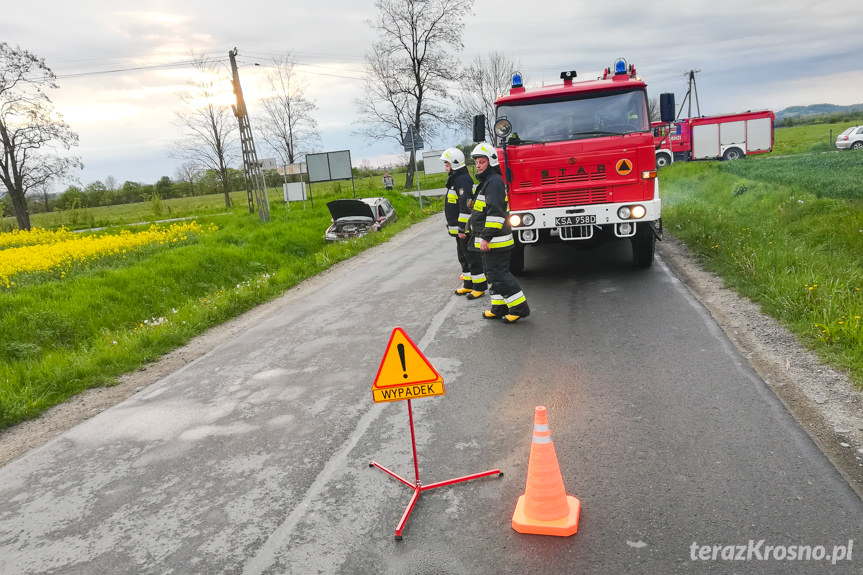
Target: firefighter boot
pixel 496 312
pixel 498 308
pixel 474 294
pixel 466 286
pixel 516 313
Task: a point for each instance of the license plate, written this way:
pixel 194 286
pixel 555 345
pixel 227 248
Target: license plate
pixel 574 220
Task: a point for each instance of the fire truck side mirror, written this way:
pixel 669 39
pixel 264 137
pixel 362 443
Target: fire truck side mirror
pixel 479 128
pixel 666 107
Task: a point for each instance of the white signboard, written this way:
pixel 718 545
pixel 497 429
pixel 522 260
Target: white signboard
pixel 295 192
pixel 268 164
pixel 292 169
pixel 432 164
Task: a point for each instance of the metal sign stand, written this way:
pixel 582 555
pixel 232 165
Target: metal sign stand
pixel 417 486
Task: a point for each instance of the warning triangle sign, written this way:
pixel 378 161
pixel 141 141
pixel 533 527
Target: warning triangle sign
pixel 405 373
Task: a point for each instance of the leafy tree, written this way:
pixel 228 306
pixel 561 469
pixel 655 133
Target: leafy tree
pixel 164 187
pixel 30 129
pixel 486 78
pixel 72 198
pixel 410 69
pixel 210 130
pixel 289 127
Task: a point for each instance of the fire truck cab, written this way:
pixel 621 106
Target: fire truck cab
pixel 579 163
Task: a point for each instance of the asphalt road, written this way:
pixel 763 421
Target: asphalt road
pixel 254 459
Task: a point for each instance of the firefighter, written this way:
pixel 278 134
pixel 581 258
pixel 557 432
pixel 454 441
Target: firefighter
pixel 492 237
pixel 459 194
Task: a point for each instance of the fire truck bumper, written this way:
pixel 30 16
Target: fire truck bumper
pixel 580 222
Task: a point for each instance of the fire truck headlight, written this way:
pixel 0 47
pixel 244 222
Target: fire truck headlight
pixel 527 219
pixel 638 212
pixel 625 229
pixel 515 220
pixel 624 213
pixel 528 235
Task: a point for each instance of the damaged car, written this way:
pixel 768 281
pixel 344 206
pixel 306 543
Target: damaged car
pixel 356 218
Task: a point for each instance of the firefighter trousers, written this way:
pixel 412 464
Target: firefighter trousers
pixel 505 292
pixel 471 266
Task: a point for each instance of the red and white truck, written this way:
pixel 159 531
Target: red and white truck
pixel 726 137
pixel 579 163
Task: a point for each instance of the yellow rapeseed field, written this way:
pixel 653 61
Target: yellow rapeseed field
pixel 39 251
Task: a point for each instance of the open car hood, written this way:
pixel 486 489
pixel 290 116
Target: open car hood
pixel 350 209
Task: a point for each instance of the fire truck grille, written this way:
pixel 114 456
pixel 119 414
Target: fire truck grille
pixel 549 179
pixel 573 197
pixel 552 180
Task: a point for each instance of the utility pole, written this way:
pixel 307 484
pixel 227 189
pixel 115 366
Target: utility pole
pixel 689 92
pixel 256 187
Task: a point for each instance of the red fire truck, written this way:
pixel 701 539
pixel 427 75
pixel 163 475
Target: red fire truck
pixel 579 162
pixel 727 137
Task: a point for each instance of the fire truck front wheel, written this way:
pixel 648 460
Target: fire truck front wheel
pixel 516 260
pixel 662 160
pixel 643 246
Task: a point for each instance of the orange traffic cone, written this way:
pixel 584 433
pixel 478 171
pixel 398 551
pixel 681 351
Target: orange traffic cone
pixel 545 508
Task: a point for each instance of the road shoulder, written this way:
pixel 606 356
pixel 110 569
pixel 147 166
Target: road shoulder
pixel 821 398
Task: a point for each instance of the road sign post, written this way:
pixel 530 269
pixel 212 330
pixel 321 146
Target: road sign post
pixel 413 142
pixel 405 373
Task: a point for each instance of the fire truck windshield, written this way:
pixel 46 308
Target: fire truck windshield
pixel 576 117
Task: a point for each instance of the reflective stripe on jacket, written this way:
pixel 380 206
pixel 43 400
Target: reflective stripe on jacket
pixel 459 189
pixel 489 218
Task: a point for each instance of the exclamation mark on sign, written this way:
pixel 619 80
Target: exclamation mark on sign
pixel 401 348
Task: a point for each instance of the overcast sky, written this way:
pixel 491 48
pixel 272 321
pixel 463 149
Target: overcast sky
pixel 752 54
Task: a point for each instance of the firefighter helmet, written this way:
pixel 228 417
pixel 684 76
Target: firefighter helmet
pixel 454 157
pixel 487 150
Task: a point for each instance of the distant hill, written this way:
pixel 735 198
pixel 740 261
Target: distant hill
pixel 801 112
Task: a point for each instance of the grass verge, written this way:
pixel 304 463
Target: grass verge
pixel 786 233
pixel 62 334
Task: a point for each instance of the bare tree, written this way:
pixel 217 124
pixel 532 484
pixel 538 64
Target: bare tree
pixel 289 127
pixel 410 67
pixel 30 127
pixel 653 109
pixel 486 78
pixel 111 184
pixel 209 127
pixel 188 172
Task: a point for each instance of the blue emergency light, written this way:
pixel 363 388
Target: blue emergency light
pixel 620 66
pixel 516 80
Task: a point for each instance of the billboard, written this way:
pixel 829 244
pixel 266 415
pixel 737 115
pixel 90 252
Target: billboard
pixel 329 166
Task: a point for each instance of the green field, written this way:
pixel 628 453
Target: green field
pixel 63 332
pixel 786 231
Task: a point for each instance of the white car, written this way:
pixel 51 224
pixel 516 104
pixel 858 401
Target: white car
pixel 356 218
pixel 850 139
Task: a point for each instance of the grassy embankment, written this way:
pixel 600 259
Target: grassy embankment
pixel 85 321
pixel 786 230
